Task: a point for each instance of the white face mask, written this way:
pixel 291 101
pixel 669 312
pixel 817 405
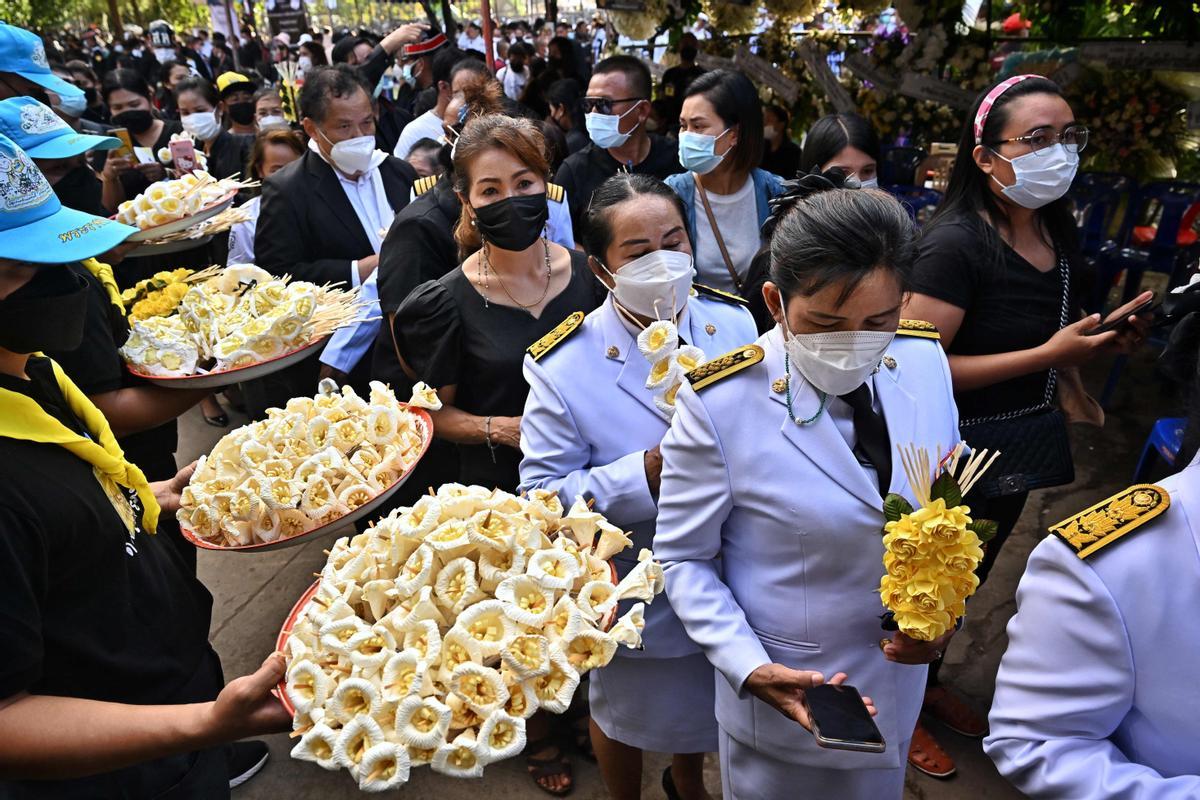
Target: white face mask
pixel 1042 177
pixel 869 183
pixel 769 131
pixel 352 156
pixel 304 63
pixel 836 363
pixel 202 125
pixel 656 285
pixel 271 121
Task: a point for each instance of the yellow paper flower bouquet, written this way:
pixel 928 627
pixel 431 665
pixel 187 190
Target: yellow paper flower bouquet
pixel 931 552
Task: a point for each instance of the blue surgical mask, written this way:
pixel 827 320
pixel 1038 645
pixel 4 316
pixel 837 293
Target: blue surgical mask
pixel 696 151
pixel 869 183
pixel 605 129
pixel 406 75
pixel 73 104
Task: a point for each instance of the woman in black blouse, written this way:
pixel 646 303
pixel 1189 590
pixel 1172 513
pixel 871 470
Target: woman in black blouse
pixel 466 333
pixel 998 273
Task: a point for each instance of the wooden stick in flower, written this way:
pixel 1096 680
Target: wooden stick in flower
pixel 979 473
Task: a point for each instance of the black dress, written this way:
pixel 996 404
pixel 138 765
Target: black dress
pixel 450 338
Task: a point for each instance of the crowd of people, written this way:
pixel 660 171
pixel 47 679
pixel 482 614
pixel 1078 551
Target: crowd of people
pixel 515 220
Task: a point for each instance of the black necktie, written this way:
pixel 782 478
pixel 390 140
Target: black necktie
pixel 873 446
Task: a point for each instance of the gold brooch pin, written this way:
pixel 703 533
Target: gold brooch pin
pixel 889 362
pixel 779 386
pixel 613 352
pixel 710 329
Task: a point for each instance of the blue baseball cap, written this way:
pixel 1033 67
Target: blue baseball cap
pixel 35 227
pixel 42 134
pixel 23 53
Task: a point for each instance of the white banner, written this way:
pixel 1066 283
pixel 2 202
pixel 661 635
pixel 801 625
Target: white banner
pixel 926 87
pixel 762 72
pixel 861 66
pixel 1144 55
pixel 818 67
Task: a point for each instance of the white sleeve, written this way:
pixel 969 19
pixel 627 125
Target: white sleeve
pixel 555 456
pixel 1065 685
pixel 695 500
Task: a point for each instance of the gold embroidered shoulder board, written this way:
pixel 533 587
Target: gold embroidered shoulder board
pixel 717 294
pixel 555 192
pixel 918 327
pixel 555 337
pixel 423 185
pixel 721 367
pixel 1099 526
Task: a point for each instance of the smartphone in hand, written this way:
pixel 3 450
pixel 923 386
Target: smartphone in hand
pixel 840 720
pixel 1144 309
pixel 183 155
pixel 126 148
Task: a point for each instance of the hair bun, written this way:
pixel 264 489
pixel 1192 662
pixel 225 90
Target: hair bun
pixel 802 187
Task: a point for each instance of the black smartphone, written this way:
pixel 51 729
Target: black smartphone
pixel 840 720
pixel 1146 308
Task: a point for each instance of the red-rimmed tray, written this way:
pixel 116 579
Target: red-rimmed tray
pixel 286 630
pixel 364 510
pixel 183 223
pixel 215 380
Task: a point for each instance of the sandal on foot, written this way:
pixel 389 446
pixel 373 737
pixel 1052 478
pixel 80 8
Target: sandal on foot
pixel 552 767
pixel 926 755
pixel 952 711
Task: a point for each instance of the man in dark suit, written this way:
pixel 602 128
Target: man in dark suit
pixel 324 216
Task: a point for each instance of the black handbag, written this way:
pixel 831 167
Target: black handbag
pixel 1035 449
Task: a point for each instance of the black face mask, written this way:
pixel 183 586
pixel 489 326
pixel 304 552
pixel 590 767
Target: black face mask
pixel 89 96
pixel 242 113
pixel 46 314
pixel 687 53
pixel 136 121
pixel 513 223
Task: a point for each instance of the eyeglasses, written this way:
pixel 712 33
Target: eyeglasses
pixel 604 105
pixel 1074 138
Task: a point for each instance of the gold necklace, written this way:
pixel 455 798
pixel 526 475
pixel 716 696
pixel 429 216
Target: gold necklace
pixel 487 268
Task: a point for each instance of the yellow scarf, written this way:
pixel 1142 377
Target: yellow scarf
pixel 23 419
pixel 104 274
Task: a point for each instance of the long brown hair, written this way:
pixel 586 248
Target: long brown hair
pixel 518 137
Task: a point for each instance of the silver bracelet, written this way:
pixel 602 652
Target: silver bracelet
pixel 487 428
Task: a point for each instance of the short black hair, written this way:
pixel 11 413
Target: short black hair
pixel 345 46
pixel 128 79
pixel 519 49
pixel 635 71
pixel 832 134
pixel 200 86
pixel 443 62
pixel 598 234
pixel 469 64
pixel 780 113
pixel 735 99
pixel 323 83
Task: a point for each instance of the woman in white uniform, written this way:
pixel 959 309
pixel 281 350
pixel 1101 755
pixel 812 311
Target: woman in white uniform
pixel 774 470
pixel 592 428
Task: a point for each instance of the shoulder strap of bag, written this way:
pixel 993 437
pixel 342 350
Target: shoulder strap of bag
pixel 1064 319
pixel 712 223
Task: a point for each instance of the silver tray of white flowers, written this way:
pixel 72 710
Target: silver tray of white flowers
pixel 431 637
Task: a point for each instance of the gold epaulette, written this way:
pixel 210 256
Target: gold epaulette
pixel 1102 524
pixel 423 185
pixel 555 337
pixel 918 327
pixel 722 367
pixel 717 294
pixel 555 192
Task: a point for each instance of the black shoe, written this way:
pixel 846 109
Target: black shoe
pixel 245 759
pixel 668 783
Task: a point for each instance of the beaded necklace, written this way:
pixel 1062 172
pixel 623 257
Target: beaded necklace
pixel 787 367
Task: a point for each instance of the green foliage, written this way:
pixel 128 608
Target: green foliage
pixel 1071 20
pixel 985 529
pixel 946 487
pixel 895 506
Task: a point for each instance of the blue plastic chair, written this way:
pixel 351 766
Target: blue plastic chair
pixel 1170 201
pixel 919 202
pixel 1166 437
pixel 1098 198
pixel 898 166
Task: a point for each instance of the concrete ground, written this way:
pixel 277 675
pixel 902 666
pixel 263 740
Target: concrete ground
pixel 253 594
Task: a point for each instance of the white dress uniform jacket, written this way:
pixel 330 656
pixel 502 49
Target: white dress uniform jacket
pixel 1097 693
pixel 770 534
pixel 590 418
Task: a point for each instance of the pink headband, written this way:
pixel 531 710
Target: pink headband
pixel 989 101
